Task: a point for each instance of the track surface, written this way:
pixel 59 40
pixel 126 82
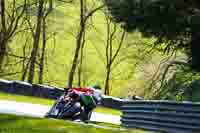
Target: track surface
pixel 37 110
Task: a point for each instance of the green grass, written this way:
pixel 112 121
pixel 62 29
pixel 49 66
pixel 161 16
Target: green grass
pixel 107 111
pixel 35 100
pixel 18 124
pixel 28 99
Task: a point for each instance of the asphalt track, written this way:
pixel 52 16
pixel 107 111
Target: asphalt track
pixel 37 110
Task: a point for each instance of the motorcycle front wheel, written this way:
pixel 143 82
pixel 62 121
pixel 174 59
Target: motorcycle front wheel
pixel 70 110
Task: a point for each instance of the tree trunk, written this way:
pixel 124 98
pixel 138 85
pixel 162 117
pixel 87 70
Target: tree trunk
pixel 36 42
pixel 41 71
pixel 3 19
pixel 80 69
pixel 195 48
pixel 24 65
pixel 2 34
pixel 78 45
pixel 50 5
pixel 107 82
pixel 75 60
pixel 25 71
pixel 3 45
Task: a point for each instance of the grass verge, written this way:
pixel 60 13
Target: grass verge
pixel 27 99
pixel 18 124
pixel 107 111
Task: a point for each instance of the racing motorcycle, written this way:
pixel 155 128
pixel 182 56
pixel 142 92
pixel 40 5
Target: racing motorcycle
pixel 68 107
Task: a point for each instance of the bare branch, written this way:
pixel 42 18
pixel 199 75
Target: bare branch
pixel 9 74
pixel 120 45
pixel 93 11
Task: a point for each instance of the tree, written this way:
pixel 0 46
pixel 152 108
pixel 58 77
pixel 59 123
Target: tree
pixel 44 41
pixel 80 37
pixel 37 15
pixel 174 23
pixel 43 11
pixel 111 54
pixel 80 68
pixel 36 40
pixel 11 20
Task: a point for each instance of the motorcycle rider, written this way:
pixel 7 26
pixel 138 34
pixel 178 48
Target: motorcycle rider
pixel 96 99
pixel 89 98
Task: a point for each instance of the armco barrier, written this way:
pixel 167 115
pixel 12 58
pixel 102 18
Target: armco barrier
pixel 22 88
pixel 112 102
pixel 6 86
pixel 162 116
pixel 44 91
pixel 26 89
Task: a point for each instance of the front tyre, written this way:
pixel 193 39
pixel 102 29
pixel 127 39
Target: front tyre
pixel 70 111
pixel 52 112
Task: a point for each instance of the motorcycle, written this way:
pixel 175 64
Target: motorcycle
pixel 67 107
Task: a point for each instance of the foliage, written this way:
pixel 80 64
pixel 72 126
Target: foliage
pixel 182 86
pixel 61 33
pixel 174 23
pixel 176 26
pixel 61 30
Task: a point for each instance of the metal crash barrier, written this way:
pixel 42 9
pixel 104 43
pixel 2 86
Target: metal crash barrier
pixel 48 92
pixel 162 116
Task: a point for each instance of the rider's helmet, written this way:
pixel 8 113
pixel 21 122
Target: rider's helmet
pixel 98 87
